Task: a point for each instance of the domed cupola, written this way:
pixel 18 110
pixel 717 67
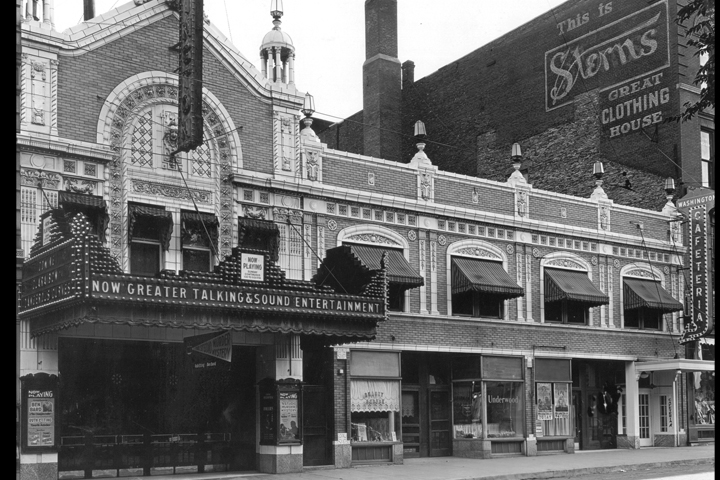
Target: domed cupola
pixel 277 52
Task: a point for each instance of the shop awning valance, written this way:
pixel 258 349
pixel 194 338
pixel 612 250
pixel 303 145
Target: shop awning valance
pixel 374 395
pixel 162 221
pixel 638 293
pixel 483 276
pixel 400 272
pixel 574 286
pixel 71 199
pixel 193 232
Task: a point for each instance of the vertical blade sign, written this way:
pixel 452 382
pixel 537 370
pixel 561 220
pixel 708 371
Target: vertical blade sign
pixel 190 129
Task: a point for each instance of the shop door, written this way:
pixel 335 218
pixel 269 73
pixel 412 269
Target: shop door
pixel 316 444
pixel 577 410
pixel 644 419
pixel 440 428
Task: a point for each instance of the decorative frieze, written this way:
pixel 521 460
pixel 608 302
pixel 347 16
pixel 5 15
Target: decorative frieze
pixel 372 238
pixel 565 263
pixel 171 191
pixel 478 252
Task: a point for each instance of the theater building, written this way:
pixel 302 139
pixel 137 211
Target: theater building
pixel 268 303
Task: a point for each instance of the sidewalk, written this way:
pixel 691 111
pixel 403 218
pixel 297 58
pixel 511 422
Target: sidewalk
pixel 507 468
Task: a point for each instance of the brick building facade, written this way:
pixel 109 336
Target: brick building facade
pixel 500 293
pixel 502 93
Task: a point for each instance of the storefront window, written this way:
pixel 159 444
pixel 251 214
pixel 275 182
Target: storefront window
pixel 554 409
pixel 704 392
pixel 467 409
pixel 504 409
pixel 375 410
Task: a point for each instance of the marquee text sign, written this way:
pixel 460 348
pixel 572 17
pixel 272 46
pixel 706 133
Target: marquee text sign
pixel 48 278
pixel 695 205
pixel 160 291
pixel 625 58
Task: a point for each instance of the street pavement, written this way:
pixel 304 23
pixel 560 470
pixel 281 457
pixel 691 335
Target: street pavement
pixel 502 468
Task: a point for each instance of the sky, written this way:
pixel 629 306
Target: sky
pixel 329 36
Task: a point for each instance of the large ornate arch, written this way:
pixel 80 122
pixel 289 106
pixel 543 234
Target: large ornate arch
pixel 120 109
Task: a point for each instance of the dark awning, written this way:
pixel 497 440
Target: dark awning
pixel 70 199
pixel 163 219
pixel 259 234
pixel 198 222
pixel 638 293
pixel 399 270
pixel 574 286
pixel 483 276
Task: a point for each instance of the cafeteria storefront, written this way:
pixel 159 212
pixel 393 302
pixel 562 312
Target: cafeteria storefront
pixel 178 372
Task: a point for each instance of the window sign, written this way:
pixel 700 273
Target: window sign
pixel 253 267
pixel 562 409
pixel 544 401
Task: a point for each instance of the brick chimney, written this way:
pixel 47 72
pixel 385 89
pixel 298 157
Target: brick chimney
pixel 381 81
pixel 408 73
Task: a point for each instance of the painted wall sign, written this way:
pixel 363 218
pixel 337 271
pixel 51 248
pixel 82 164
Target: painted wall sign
pixel 161 291
pixel 252 267
pixel 614 57
pixel 695 205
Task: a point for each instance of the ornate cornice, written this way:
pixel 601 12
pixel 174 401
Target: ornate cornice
pixel 62 148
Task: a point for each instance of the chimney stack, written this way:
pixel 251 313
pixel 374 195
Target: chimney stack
pixel 88 9
pixel 408 73
pixel 382 97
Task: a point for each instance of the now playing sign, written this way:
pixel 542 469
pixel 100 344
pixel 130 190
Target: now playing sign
pixel 211 351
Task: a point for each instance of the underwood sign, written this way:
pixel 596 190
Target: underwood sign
pixel 613 56
pixel 696 205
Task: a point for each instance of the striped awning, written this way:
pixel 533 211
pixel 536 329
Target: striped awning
pixel 72 199
pixel 574 286
pixel 161 219
pixel 399 270
pixel 639 293
pixel 483 276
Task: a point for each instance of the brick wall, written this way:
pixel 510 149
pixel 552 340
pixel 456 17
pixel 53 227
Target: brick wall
pixel 340 173
pixel 458 333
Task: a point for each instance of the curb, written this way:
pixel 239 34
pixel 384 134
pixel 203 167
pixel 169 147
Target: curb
pixel 590 470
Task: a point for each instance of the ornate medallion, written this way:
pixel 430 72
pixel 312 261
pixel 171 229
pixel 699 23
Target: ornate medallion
pixel 536 252
pixel 442 240
pixel 616 263
pixel 510 249
pixel 412 235
pixel 594 260
pixel 332 225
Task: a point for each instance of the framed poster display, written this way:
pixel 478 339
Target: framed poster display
pixel 39 432
pixel 544 401
pixel 562 408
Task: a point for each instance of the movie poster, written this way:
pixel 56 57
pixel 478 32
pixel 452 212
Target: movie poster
pixel 562 408
pixel 544 401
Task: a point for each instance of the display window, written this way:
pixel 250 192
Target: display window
pixel 375 410
pixel 467 409
pixel 504 409
pixel 554 412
